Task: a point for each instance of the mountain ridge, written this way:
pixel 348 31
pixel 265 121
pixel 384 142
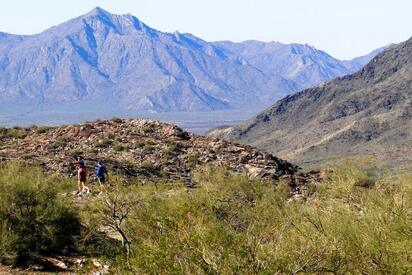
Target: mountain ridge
pixel 291 61
pixel 365 113
pixel 117 61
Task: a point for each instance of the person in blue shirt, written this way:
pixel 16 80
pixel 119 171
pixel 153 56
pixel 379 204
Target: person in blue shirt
pixel 80 161
pixel 101 174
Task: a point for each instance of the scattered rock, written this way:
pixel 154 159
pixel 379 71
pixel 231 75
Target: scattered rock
pixel 148 150
pixel 56 263
pixel 96 263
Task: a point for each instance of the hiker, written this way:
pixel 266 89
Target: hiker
pixel 80 160
pixel 82 177
pixel 101 174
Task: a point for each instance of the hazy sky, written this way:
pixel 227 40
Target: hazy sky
pixel 343 28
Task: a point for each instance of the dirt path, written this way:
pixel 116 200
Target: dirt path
pixel 322 140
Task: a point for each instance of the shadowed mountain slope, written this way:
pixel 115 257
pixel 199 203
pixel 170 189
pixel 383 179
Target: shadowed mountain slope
pixel 366 113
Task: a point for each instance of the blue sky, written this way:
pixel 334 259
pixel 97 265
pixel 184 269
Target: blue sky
pixel 344 29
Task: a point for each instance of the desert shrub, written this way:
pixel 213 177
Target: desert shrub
pixel 149 168
pixel 94 241
pixel 147 129
pixel 231 224
pixel 34 220
pixel 227 224
pixel 168 152
pixel 119 148
pixel 193 160
pixel 104 143
pixel 148 148
pixel 28 156
pixel 3 130
pixel 60 142
pixel 42 129
pixel 16 133
pixel 175 231
pixel 117 120
pixel 113 211
pixel 172 147
pixel 7 239
pixel 139 144
pixel 76 153
pixel 93 151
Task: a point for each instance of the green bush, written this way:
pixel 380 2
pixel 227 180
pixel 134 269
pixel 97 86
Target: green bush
pixel 16 133
pixel 148 148
pixel 149 168
pixel 117 120
pixel 28 156
pixel 119 148
pixel 172 147
pixel 104 143
pixel 42 129
pixel 231 224
pixel 34 220
pixel 7 239
pixel 76 153
pixel 192 160
pixel 93 151
pixel 3 130
pixel 139 144
pixel 147 129
pixel 60 142
pixel 358 221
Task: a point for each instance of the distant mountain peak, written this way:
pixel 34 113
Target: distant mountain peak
pixel 105 16
pixel 122 24
pixel 119 61
pixel 99 11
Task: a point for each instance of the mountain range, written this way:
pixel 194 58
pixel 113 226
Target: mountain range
pixel 368 113
pixel 106 61
pixel 301 65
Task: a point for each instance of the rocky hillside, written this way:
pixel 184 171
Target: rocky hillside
pixel 149 150
pixel 366 113
pixel 117 62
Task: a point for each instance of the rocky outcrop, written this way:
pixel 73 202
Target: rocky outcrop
pixel 149 150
